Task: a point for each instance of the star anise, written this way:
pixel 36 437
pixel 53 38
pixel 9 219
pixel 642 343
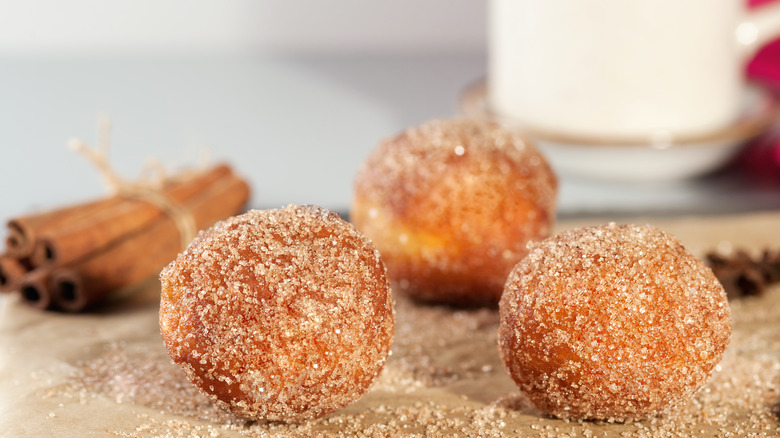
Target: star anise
pixel 741 275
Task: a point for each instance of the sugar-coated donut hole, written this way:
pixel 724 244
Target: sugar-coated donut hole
pixel 451 205
pixel 279 315
pixel 611 322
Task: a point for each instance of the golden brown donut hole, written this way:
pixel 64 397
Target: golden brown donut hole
pixel 611 322
pixel 279 315
pixel 451 205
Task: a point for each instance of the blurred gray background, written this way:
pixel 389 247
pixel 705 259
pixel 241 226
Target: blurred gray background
pixel 294 94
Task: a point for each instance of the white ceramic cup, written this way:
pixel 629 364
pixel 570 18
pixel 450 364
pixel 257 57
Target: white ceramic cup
pixel 622 68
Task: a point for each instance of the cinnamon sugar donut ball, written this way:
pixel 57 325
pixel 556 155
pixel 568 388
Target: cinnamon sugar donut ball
pixel 279 315
pixel 451 205
pixel 611 322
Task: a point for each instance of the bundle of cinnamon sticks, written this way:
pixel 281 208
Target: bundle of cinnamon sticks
pixel 73 257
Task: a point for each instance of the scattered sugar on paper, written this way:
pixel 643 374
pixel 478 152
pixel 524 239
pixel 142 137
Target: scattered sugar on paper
pixel 437 350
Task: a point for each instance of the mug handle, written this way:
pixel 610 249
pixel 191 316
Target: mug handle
pixel 760 26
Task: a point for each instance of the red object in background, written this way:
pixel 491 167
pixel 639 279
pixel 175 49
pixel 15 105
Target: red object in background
pixel 761 158
pixel 765 66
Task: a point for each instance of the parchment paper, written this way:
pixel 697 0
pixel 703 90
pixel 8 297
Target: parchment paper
pixel 106 373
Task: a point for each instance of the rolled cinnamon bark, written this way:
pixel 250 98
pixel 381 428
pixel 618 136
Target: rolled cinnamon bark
pixel 19 240
pixel 143 253
pixel 11 272
pixel 67 290
pixel 23 231
pixel 35 290
pixel 86 234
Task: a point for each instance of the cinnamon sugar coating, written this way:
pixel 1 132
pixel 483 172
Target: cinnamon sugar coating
pixel 612 322
pixel 279 315
pixel 451 205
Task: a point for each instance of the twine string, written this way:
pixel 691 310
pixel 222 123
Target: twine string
pixel 146 189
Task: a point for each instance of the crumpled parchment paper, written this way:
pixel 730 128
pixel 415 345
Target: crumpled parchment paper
pixel 106 373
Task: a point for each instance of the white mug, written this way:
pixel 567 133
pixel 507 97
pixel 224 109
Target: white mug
pixel 622 68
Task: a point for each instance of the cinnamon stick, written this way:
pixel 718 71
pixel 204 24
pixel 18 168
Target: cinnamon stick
pixel 68 291
pixel 23 231
pixel 85 234
pixel 35 289
pixel 11 272
pixel 144 252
